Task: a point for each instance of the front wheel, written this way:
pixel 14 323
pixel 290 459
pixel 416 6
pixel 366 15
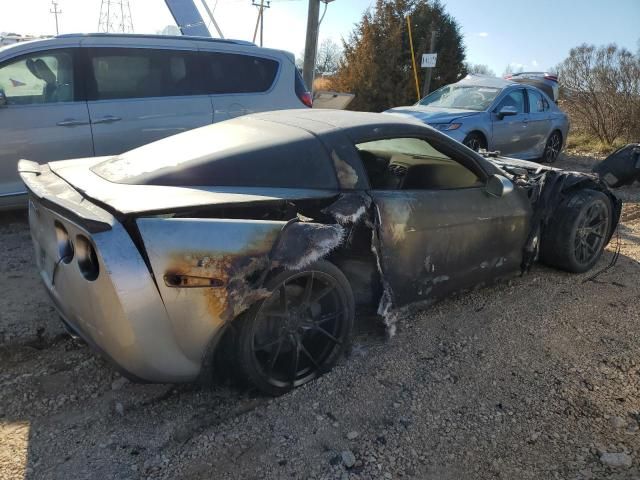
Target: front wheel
pixel 299 332
pixel 578 232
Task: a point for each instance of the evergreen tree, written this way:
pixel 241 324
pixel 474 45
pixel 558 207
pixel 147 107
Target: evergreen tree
pixel 376 65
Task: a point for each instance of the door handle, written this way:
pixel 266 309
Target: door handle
pixel 107 119
pixel 71 122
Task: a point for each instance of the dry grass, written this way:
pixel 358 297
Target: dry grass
pixel 584 144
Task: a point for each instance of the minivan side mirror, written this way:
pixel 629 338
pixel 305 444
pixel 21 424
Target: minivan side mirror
pixel 498 186
pixel 3 99
pixel 507 111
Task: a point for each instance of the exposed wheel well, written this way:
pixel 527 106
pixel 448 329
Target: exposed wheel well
pixel 480 134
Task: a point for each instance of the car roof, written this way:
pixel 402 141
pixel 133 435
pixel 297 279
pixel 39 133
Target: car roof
pixel 321 120
pixel 486 81
pixel 156 37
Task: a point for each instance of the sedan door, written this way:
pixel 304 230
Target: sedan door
pixel 511 133
pixel 45 117
pixel 439 230
pixel 539 122
pixel 139 95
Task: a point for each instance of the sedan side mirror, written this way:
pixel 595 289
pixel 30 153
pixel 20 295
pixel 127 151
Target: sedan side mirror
pixel 498 186
pixel 507 111
pixel 3 99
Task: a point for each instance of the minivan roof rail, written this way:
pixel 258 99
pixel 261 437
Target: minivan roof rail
pixel 145 35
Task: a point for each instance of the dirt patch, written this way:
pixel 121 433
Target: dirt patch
pixel 534 378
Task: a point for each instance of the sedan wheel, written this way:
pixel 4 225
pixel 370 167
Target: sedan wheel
pixel 552 148
pixel 299 332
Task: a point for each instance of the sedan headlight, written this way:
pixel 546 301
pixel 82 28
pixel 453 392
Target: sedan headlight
pixel 445 127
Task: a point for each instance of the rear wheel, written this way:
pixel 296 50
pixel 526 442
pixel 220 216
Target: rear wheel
pixel 552 148
pixel 475 141
pixel 299 332
pixel 578 232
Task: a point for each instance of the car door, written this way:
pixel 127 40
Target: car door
pixel 511 133
pixel 439 230
pixel 45 117
pixel 139 95
pixel 539 122
pixel 239 83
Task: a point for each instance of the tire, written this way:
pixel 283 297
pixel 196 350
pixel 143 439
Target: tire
pixel 281 341
pixel 552 147
pixel 475 141
pixel 566 243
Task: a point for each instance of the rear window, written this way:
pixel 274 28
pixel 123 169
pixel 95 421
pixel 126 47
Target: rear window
pixel 236 73
pixel 238 153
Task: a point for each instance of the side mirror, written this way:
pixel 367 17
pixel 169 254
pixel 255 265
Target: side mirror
pixel 507 111
pixel 3 99
pixel 498 186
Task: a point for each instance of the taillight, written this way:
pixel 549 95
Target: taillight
pixel 301 90
pixel 306 98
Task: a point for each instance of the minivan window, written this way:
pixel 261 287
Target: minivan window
pixel 121 73
pixel 236 73
pixel 45 77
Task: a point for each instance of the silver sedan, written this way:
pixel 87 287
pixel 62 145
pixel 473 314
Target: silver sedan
pixel 489 113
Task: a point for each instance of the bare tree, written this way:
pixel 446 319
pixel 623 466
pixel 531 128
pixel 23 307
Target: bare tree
pixel 328 57
pixel 601 86
pixel 509 69
pixel 479 69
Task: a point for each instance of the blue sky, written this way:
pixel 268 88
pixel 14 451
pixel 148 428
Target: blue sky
pixel 532 34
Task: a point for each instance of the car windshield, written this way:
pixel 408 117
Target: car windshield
pixel 463 97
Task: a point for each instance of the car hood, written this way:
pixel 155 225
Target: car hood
pixel 433 114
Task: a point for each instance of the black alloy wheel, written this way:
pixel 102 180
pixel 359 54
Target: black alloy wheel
pixel 298 332
pixel 552 148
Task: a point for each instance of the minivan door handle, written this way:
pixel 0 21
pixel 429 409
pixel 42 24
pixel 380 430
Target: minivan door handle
pixel 107 119
pixel 71 122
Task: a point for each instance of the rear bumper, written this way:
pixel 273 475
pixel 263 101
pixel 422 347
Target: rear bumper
pixel 120 312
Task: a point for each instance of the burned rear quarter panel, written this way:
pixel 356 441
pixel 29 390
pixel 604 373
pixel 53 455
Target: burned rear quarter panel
pixel 215 258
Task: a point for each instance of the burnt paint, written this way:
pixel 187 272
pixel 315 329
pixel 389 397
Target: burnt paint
pixel 432 243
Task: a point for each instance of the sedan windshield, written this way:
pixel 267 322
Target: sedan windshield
pixel 463 97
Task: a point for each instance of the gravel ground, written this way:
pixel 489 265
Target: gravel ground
pixel 536 378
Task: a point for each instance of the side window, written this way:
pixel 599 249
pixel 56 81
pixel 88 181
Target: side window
pixel 45 77
pixel 236 73
pixel 121 73
pixel 514 99
pixel 536 104
pixel 545 104
pixel 412 164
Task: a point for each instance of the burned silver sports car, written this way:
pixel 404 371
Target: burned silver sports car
pixel 256 240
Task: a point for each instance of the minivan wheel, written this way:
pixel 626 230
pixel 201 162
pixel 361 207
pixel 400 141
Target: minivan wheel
pixel 475 141
pixel 552 148
pixel 297 333
pixel 578 232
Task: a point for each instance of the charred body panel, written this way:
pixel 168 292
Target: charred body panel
pixel 437 242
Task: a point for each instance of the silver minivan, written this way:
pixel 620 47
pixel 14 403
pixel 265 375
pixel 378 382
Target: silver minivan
pixel 76 96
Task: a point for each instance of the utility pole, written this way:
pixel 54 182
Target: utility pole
pixel 427 75
pixel 260 22
pixel 55 12
pixel 311 43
